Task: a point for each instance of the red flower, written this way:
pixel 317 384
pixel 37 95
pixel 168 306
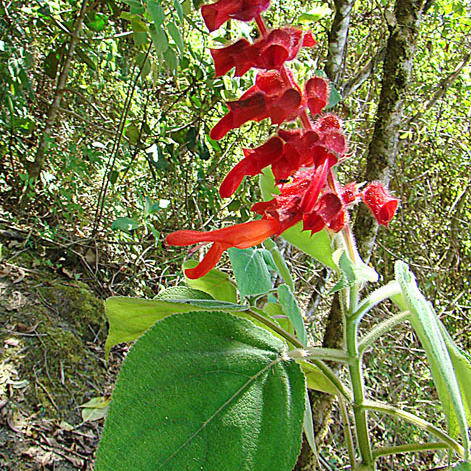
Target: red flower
pixel 382 204
pixel 255 161
pixel 241 236
pixel 270 98
pixel 218 13
pixel 316 91
pixel 269 52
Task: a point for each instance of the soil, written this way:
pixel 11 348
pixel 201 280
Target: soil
pixel 52 334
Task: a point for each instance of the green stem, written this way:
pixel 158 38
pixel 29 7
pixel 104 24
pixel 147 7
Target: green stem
pixel 417 421
pixel 347 430
pixel 356 377
pixel 409 448
pixel 376 297
pixel 381 329
pixel 327 354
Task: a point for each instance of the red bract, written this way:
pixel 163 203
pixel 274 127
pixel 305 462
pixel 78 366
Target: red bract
pixel 269 52
pixel 241 236
pixel 381 203
pixel 316 92
pixel 216 14
pixel 270 98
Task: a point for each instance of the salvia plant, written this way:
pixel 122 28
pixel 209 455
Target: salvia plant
pixel 215 384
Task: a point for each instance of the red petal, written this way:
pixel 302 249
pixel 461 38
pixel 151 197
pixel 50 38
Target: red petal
pixel 255 161
pixel 327 212
pixel 218 13
pixel 317 94
pixel 209 261
pixel 238 55
pixel 241 111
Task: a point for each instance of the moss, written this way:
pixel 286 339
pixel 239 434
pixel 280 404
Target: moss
pixel 78 307
pixel 60 357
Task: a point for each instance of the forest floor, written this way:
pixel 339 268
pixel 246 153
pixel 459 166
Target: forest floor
pixel 52 334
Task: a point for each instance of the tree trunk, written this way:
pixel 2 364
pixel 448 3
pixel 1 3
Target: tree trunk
pixel 35 167
pixel 338 39
pixel 382 150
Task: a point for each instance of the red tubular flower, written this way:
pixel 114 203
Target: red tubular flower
pixel 381 203
pixel 317 93
pixel 255 161
pixel 241 236
pixel 329 128
pixel 269 52
pixel 270 97
pixel 216 14
pixel 240 55
pixel 328 211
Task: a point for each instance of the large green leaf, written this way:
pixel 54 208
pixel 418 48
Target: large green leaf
pixel 205 391
pixel 291 309
pixel 250 271
pixel 426 324
pixel 129 318
pixel 216 283
pixel 318 245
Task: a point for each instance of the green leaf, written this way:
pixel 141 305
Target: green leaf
pixel 176 36
pixel 250 271
pixel 291 309
pixel 205 391
pixel 124 224
pixel 96 21
pixel 216 283
pixel 267 184
pixel 354 272
pixel 462 366
pixel 129 318
pixel 334 97
pixel 140 31
pixel 315 14
pixel 316 379
pixel 426 324
pixel 317 245
pixel 182 292
pixel 275 312
pixel 171 60
pixel 156 12
pixel 85 58
pixel 95 409
pixel 279 262
pixel 132 133
pixel 179 10
pixel 308 426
